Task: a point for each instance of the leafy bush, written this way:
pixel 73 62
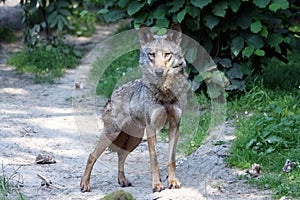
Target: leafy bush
pixel 241 36
pixel 44 15
pixel 82 22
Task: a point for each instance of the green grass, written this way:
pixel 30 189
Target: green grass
pixel 120 71
pixel 46 62
pixel 270 133
pixel 9 185
pixel 283 76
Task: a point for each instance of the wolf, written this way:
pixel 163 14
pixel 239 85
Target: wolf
pixel 146 105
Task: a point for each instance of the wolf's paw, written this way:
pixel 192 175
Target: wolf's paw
pixel 85 185
pixel 124 182
pixel 158 187
pixel 174 184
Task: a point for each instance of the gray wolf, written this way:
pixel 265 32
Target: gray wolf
pixel 146 105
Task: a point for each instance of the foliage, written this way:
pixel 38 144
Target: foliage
pixel 82 22
pixel 269 133
pixel 46 61
pixel 286 76
pixel 241 36
pixel 9 184
pixel 44 15
pixel 6 34
pixel 115 71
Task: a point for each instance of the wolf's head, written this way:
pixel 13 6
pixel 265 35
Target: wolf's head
pixel 161 56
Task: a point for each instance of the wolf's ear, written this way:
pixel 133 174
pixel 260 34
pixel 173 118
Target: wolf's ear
pixel 145 34
pixel 175 34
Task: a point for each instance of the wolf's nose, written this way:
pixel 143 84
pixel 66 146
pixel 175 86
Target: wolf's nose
pixel 159 72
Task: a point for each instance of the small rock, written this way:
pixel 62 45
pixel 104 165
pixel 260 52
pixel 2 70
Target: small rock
pixel 254 171
pixel 45 159
pixel 288 166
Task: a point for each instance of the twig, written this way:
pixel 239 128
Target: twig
pixel 47 183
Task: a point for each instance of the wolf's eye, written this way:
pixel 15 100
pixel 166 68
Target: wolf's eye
pixel 168 56
pixel 151 56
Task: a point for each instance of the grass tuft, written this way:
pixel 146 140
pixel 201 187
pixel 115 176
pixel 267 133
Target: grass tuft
pixel 45 61
pixel 9 185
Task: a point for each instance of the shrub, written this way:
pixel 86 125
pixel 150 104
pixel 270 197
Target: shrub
pixel 241 36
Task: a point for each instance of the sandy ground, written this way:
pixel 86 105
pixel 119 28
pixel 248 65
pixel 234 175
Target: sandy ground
pixel 40 119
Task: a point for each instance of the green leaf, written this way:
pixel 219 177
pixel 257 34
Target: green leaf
pixel 64 20
pixel 102 11
pixel 200 4
pixel 191 55
pixel 270 150
pixel 199 78
pixel 53 22
pixel 193 11
pixel 264 32
pixel 219 9
pixel 256 41
pixel 237 45
pixel 234 5
pixel 159 13
pixel 52 16
pixel 210 21
pixel 287 40
pixel 235 72
pixel 248 51
pixel 114 15
pixel 83 13
pixel 279 4
pixel 51 8
pixel 141 18
pixel 63 4
pixel 259 52
pixel 134 7
pixel 65 12
pixel 226 62
pixel 163 23
pixel 274 39
pixel 261 3
pixel 256 27
pixel 123 3
pixel 176 5
pixel 180 15
pixel 245 70
pixel 244 20
pixel 60 25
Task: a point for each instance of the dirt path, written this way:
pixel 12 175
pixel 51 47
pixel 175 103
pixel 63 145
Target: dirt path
pixel 39 119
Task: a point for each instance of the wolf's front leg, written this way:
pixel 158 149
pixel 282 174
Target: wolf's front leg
pixel 157 186
pixel 174 115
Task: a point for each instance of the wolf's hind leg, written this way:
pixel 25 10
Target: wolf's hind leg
pixel 125 144
pixel 105 140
